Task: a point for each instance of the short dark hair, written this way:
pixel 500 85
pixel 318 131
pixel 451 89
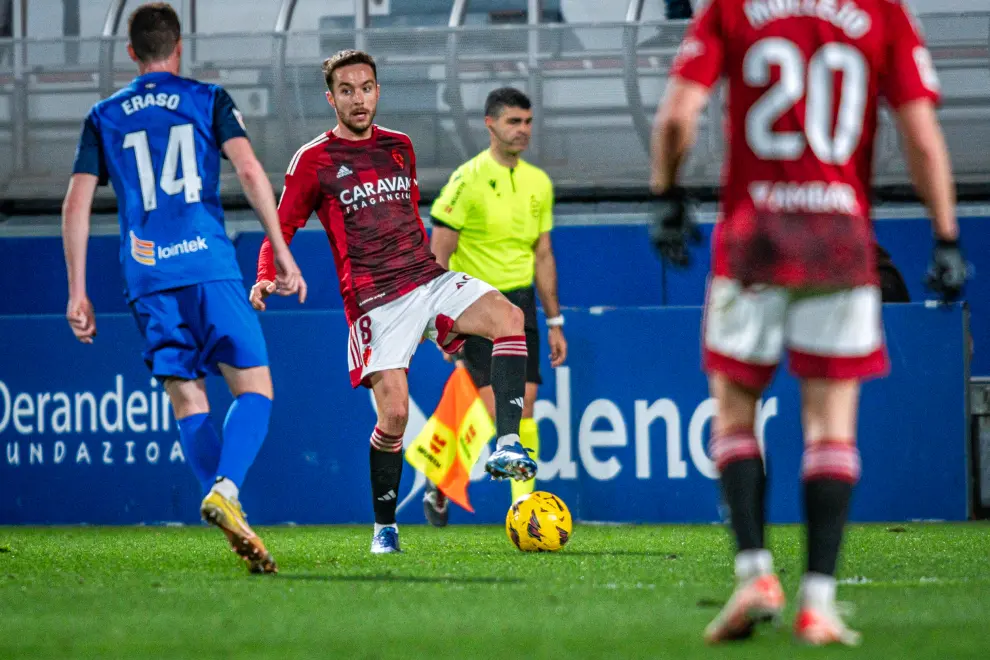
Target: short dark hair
pixel 154 31
pixel 505 97
pixel 347 58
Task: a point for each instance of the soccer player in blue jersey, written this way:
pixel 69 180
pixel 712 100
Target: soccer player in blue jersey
pixel 159 142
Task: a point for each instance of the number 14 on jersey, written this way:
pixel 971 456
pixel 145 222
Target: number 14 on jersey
pixel 181 150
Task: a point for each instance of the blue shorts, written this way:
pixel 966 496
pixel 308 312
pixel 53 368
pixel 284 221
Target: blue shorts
pixel 190 330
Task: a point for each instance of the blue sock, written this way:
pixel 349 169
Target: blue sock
pixel 201 445
pixel 244 431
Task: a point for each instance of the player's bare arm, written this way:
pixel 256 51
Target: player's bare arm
pixel 674 132
pixel 258 190
pixel 928 161
pixel 293 212
pixel 443 243
pixel 931 172
pixel 545 277
pixel 75 238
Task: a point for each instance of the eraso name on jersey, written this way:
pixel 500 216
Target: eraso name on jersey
pixel 390 189
pixel 143 101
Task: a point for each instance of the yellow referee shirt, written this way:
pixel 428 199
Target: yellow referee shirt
pixel 499 213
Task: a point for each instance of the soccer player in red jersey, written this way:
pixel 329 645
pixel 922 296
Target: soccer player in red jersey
pixel 793 253
pixel 360 179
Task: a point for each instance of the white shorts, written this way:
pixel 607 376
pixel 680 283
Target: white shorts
pixel 834 335
pixel 387 336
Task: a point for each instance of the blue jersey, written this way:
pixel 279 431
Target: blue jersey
pixel 158 141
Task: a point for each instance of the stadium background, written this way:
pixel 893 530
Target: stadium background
pixel 632 324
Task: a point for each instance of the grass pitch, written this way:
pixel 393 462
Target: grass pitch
pixel 920 591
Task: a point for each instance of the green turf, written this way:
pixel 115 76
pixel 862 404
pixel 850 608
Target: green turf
pixel 460 592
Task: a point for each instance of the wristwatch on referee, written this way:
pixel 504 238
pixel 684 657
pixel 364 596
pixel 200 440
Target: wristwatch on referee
pixel 555 321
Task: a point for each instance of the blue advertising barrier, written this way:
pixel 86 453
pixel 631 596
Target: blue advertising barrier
pixel 87 436
pixel 598 265
pixel 614 266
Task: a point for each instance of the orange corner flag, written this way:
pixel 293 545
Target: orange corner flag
pixel 449 445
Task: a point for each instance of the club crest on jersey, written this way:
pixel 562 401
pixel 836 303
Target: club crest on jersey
pixel 689 49
pixel 399 159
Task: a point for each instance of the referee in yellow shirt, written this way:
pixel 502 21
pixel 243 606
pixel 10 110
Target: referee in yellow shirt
pixel 492 221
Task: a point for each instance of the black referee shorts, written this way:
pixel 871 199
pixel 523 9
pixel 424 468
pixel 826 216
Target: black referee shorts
pixel 477 351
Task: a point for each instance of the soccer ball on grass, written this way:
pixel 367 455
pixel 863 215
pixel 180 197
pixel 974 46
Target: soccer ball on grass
pixel 538 522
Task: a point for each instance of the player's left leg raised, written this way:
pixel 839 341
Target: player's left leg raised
pixel 493 316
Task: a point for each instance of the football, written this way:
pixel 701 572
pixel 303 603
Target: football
pixel 539 522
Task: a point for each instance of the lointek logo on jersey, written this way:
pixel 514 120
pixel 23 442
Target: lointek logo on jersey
pixel 197 244
pixel 144 252
pixel 391 189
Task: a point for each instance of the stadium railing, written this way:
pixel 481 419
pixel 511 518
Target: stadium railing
pixel 595 88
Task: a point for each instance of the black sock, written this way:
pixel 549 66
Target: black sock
pixel 826 505
pixel 508 383
pixel 740 465
pixel 829 469
pixel 386 471
pixel 743 486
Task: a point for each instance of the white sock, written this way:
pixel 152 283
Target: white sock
pixel 509 439
pixel 379 527
pixel 818 591
pixel 753 563
pixel 227 488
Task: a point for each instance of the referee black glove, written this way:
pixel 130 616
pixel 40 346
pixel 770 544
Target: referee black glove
pixel 948 271
pixel 674 226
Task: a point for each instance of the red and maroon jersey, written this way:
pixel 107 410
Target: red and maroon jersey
pixel 366 195
pixel 804 79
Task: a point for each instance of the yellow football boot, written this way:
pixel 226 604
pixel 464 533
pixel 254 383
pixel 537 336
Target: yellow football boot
pixel 229 517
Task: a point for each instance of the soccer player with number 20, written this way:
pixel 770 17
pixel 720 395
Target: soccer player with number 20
pixel 793 253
